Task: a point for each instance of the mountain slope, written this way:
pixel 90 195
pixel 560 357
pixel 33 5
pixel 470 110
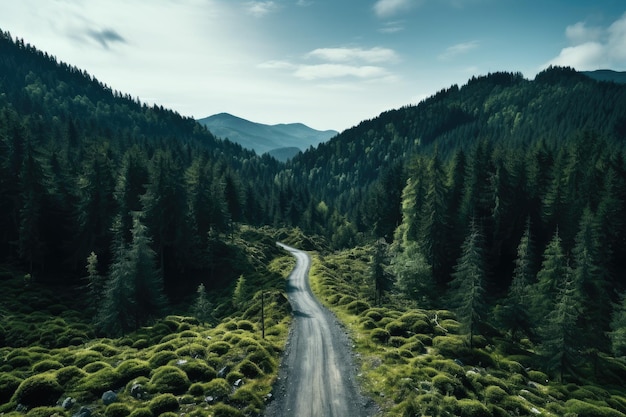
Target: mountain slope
pixel 618 77
pixel 264 138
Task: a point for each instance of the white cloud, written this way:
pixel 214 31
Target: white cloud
pixel 373 55
pixel 458 49
pixel 388 8
pixel 579 33
pixel 326 71
pixel 594 48
pixel 392 27
pixel 260 8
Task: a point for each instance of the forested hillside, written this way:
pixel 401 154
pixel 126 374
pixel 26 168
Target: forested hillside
pixel 503 200
pixel 80 162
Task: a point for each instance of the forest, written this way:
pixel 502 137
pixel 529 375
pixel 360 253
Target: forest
pixel 502 200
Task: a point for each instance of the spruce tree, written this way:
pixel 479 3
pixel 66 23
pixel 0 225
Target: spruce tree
pixel 467 291
pixel 202 308
pixel 414 278
pixel 554 270
pixel 560 339
pixel 618 328
pixel 514 313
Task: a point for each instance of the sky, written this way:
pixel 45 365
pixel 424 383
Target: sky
pixel 327 63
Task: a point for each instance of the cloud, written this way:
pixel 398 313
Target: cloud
pixel 260 8
pixel 325 71
pixel 373 55
pixel 458 49
pixel 105 37
pixel 593 48
pixel 388 8
pixel 392 27
pixel 304 3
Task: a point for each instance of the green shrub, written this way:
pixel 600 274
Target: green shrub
pixel 368 324
pixel 218 388
pixel 85 357
pixel 537 376
pixel 263 360
pixel 46 365
pixel 249 369
pixel 131 369
pixel 230 325
pixel 70 374
pixel 96 366
pixel 421 327
pixel 450 346
pixel 8 385
pixel 20 362
pixel 397 328
pixel 582 408
pixel 99 382
pixel 161 358
pixel 357 307
pixel 472 408
pixel 196 389
pixel 197 370
pixel 233 376
pixel 104 349
pixel 169 379
pixel 245 396
pixel 220 348
pixel 46 412
pixel 223 410
pixel 163 403
pixel 450 326
pixel 380 336
pixel 38 390
pixel 415 347
pixel 374 314
pixel 444 384
pixel 141 412
pixel 245 325
pixel 194 350
pixel 494 394
pixel 397 341
pixel 117 410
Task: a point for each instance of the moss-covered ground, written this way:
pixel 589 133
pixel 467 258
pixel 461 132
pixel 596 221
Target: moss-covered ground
pixel 414 363
pixel 176 366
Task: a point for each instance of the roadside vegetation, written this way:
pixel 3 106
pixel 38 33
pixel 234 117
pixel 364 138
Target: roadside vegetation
pixel 206 358
pixel 418 362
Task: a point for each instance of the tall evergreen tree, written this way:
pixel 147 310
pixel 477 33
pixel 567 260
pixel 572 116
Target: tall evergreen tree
pixel 413 275
pixel 467 291
pixel 559 332
pixel 514 313
pixel 378 270
pixel 618 328
pixel 550 278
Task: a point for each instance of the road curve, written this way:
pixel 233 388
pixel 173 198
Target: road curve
pixel 317 374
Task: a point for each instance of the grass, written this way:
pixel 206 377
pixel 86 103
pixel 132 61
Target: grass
pixel 413 362
pixel 168 368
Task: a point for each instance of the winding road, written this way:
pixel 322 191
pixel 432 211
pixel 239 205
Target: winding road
pixel 317 376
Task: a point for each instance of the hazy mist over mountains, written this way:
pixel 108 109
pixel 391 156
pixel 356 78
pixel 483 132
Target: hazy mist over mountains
pixel 282 141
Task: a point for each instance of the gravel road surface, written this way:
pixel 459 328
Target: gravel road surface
pixel 317 375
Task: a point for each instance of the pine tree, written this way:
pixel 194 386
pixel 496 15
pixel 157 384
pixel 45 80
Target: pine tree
pixel 95 282
pixel 378 270
pixel 134 292
pixel 467 292
pixel 202 308
pixel 554 270
pixel 435 225
pixel 618 328
pixel 240 292
pixel 414 278
pixel 514 313
pixel 559 332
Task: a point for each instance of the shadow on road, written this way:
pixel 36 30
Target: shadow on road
pixel 299 313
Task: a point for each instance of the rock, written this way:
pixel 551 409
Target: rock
pixel 68 403
pixel 238 383
pixel 181 362
pixel 269 397
pixel 83 412
pixel 109 397
pixel 210 399
pixel 223 372
pixel 137 391
pixel 458 362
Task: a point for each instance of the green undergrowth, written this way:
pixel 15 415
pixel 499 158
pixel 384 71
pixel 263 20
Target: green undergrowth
pixel 176 366
pixel 413 362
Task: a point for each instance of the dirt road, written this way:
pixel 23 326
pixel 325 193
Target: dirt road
pixel 317 376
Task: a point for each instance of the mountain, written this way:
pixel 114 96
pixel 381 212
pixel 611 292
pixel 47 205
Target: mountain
pixel 618 77
pixel 288 138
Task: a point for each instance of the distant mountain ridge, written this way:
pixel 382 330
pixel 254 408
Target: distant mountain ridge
pixel 618 77
pixel 282 141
